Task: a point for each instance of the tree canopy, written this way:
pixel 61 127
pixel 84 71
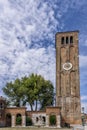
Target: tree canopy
pixel 34 90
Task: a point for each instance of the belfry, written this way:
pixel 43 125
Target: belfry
pixel 67 76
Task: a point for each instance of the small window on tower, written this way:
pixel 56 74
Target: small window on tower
pixel 0 115
pixel 67 40
pixel 1 105
pixel 62 40
pixel 71 39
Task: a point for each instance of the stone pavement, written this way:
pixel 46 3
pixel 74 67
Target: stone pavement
pixel 80 127
pixel 35 128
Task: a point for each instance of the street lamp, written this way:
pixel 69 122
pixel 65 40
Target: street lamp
pixel 83 117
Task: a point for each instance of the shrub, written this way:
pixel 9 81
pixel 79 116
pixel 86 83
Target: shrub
pixel 28 121
pixel 52 119
pixel 18 120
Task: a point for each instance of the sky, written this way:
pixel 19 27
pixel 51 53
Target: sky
pixel 27 38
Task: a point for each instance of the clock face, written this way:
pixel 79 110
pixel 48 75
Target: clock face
pixel 67 66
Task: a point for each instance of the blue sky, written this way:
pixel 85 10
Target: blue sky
pixel 27 38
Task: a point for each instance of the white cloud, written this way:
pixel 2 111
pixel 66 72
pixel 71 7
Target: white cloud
pixel 84 97
pixel 83 60
pixel 24 24
pixel 3 68
pixel 35 60
pixel 20 24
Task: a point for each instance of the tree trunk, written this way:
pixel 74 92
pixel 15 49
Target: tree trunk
pixel 36 106
pixel 31 107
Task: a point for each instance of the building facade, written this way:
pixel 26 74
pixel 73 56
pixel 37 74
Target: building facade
pixel 17 116
pixel 67 76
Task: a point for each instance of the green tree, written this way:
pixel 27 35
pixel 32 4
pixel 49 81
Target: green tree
pixel 15 92
pixel 39 92
pixel 47 95
pixel 33 89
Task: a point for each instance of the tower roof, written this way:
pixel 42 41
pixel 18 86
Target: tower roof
pixel 68 32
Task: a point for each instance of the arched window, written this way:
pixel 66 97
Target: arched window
pixel 52 120
pixel 71 39
pixel 0 115
pixel 8 120
pixel 28 121
pixel 67 40
pixel 62 40
pixel 37 119
pixel 44 119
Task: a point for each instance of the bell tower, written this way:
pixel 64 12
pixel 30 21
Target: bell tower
pixel 67 76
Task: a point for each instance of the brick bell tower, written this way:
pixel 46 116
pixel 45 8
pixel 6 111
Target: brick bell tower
pixel 67 77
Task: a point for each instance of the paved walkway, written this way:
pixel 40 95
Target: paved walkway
pixel 29 128
pixel 80 127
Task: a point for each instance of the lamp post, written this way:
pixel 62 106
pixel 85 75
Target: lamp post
pixel 83 117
